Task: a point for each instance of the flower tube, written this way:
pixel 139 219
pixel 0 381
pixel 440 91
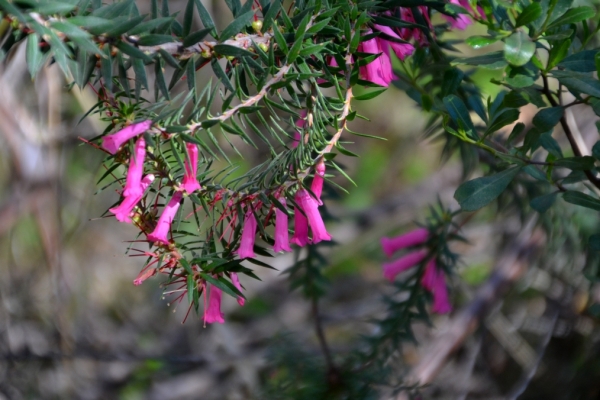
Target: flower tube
pixel 112 143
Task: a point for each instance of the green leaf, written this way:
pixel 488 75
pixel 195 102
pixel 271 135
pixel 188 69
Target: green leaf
pixel 558 53
pixel 196 37
pixel 236 25
pixel 506 117
pixel 578 82
pixel 33 55
pixel 477 42
pixel 221 74
pixel 584 163
pixel 550 144
pixel 232 291
pixel 529 14
pixel 270 15
pixel 547 118
pixel 148 26
pixel 475 194
pixel 518 48
pixel 459 113
pixel 188 17
pixel 581 199
pixel 155 40
pixel 493 60
pixel 574 15
pixel 541 204
pixel 233 51
pixel 535 173
pixel 205 17
pixel 119 29
pixel 584 61
pixel 133 51
pixel 94 25
pixel 55 7
pixel 370 95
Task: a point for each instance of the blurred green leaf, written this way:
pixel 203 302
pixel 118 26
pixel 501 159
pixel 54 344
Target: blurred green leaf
pixel 475 194
pixel 581 199
pixel 518 48
pixel 541 204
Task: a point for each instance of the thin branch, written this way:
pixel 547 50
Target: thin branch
pixel 321 336
pixel 567 129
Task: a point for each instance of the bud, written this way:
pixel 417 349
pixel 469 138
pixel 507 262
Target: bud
pixel 264 47
pixel 257 25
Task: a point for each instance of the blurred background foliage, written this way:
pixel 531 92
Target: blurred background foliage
pixel 72 325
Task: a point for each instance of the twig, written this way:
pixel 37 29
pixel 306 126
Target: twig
pixel 321 336
pixel 567 129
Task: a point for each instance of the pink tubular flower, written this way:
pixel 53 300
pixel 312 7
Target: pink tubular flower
pixel 300 228
pixel 402 50
pixel 163 226
pixel 144 274
pixel 460 21
pixel 246 248
pixel 190 182
pixel 415 33
pixel 434 281
pixel 300 123
pixel 236 282
pixel 213 312
pixel 311 208
pixel 133 186
pixel 317 184
pixel 123 211
pixel 112 143
pixel 378 71
pixel 412 238
pixel 282 238
pixel 390 270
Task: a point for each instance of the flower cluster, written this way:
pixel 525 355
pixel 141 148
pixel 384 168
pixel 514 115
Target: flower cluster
pixel 309 226
pixel 433 278
pixel 379 71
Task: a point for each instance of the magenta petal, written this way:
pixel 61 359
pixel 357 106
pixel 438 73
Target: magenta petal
pixel 300 123
pixel 311 208
pixel 133 185
pixel 402 50
pixel 246 248
pixel 213 312
pixel 378 71
pixel 460 21
pixel 163 226
pixel 429 276
pixel 190 183
pixel 300 228
pixel 391 269
pixel 317 183
pixel 112 143
pixel 123 211
pixel 412 238
pixel 282 237
pixel 236 282
pixel 441 304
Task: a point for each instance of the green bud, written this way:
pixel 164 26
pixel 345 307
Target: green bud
pixel 264 47
pixel 257 25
